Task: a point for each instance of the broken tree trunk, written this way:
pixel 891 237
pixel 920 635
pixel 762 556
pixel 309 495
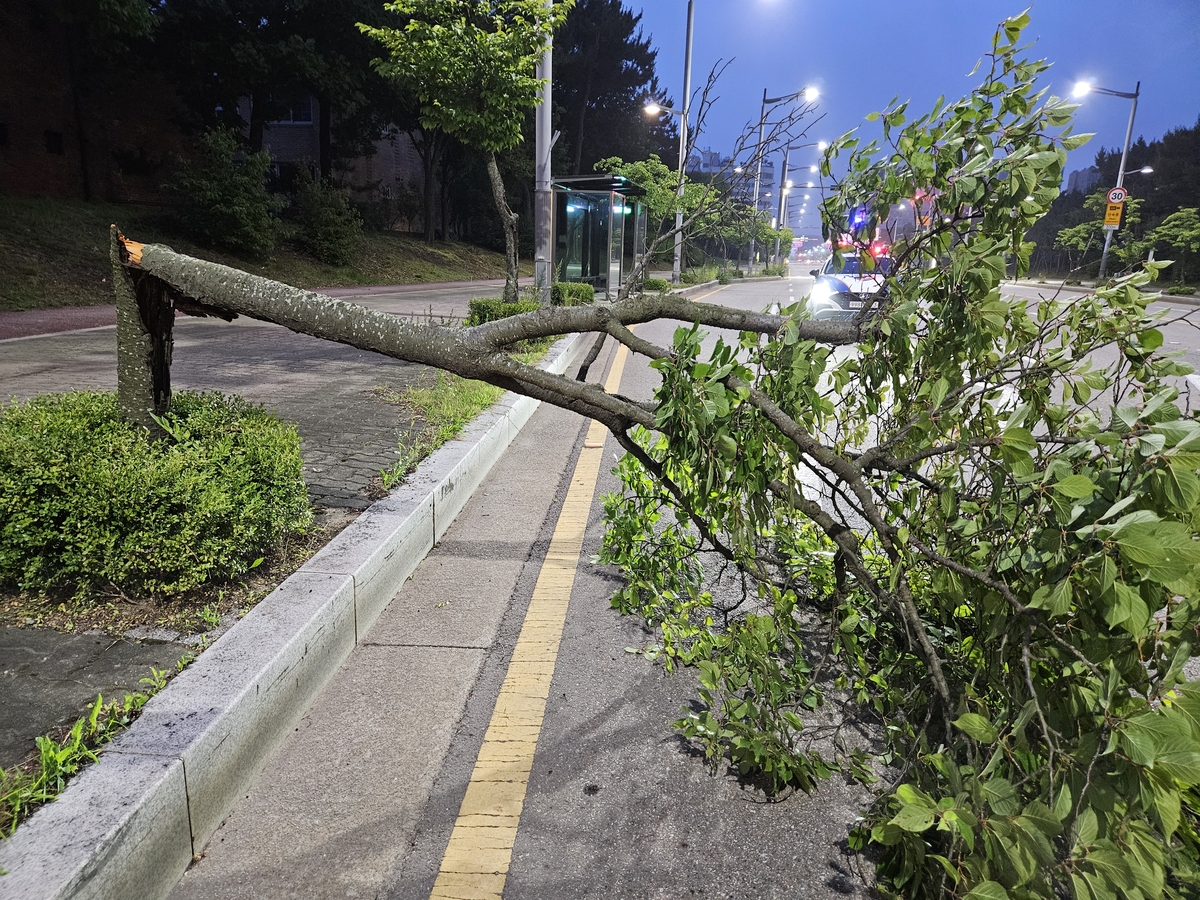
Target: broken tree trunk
pixel 154 282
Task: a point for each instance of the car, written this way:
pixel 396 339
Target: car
pixel 844 285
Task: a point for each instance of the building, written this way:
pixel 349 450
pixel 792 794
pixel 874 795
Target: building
pixel 1083 180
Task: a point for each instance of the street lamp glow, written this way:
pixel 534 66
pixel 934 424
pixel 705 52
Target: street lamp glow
pixel 738 170
pixel 1082 88
pixel 806 196
pixel 811 94
pixel 812 168
pixel 653 109
pixel 791 183
pixel 822 146
pixel 808 184
pixel 1145 170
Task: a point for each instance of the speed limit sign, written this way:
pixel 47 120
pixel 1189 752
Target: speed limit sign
pixel 1117 195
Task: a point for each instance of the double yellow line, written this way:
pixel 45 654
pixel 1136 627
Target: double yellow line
pixel 476 861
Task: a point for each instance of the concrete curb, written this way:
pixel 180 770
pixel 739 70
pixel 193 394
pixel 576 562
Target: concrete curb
pixel 130 824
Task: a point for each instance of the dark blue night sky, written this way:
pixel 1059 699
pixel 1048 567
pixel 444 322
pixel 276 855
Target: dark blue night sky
pixel 862 54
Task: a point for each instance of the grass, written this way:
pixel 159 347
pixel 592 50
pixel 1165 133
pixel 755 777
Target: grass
pixel 441 410
pixel 24 788
pixel 54 252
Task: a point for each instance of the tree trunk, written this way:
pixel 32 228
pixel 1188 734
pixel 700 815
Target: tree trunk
pixel 324 138
pixel 258 119
pixel 72 40
pixel 429 149
pixel 508 220
pixel 584 97
pixel 145 318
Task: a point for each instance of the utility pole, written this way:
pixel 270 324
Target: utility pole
pixel 677 267
pixel 543 242
pixel 1108 233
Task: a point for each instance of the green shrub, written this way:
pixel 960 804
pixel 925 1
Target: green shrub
pixel 558 294
pixel 580 293
pixel 657 285
pixel 489 309
pixel 87 502
pixel 779 269
pixel 226 203
pixel 702 275
pixel 1180 290
pixel 330 228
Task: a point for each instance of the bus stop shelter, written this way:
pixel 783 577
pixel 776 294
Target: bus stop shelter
pixel 599 230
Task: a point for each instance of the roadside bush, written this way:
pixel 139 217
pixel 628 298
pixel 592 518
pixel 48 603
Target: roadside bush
pixel 226 203
pixel 580 293
pixel 1180 290
pixel 330 227
pixel 657 285
pixel 88 503
pixel 779 269
pixel 489 309
pixel 570 293
pixel 701 275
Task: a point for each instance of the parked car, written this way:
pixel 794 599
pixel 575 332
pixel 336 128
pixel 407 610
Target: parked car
pixel 844 285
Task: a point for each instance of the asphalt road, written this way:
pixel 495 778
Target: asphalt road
pixel 618 806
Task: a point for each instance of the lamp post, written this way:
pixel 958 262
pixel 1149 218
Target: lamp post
pixel 809 94
pixel 543 249
pixel 786 185
pixel 1082 88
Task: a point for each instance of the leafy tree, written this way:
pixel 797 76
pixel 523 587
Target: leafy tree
pixel 471 63
pixel 274 52
pixel 973 530
pixel 1181 231
pixel 603 75
pixel 1130 247
pixel 226 203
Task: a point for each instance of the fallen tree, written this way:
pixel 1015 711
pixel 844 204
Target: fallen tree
pixel 975 531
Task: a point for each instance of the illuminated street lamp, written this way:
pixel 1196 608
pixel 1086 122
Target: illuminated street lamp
pixel 810 95
pixel 655 109
pixel 1083 88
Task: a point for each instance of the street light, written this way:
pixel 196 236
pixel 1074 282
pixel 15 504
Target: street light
pixel 654 109
pixel 1082 88
pixel 810 94
pixel 788 184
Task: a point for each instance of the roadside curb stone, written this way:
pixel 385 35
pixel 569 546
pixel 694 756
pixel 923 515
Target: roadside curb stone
pixel 130 824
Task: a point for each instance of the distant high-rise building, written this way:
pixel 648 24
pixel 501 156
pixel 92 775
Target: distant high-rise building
pixel 1083 180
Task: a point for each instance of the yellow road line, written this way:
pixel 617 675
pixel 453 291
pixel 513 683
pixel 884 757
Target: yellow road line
pixel 476 861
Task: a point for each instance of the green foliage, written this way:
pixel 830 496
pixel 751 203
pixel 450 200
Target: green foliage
pixel 579 294
pixel 699 275
pixel 1181 232
pixel 657 285
pixel 330 228
pixel 226 203
pixel 89 504
pixel 470 62
pixel 440 411
pixel 23 791
pixel 977 532
pixel 778 269
pixel 489 309
pixel 571 293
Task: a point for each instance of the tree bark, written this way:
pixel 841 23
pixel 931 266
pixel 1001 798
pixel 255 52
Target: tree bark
pixel 324 137
pixel 508 220
pixel 145 317
pixel 258 119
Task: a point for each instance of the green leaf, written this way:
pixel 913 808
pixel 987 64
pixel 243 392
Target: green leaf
pixel 1018 439
pixel 913 818
pixel 977 727
pixel 1042 817
pixel 1075 486
pixel 987 890
pixel 1000 793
